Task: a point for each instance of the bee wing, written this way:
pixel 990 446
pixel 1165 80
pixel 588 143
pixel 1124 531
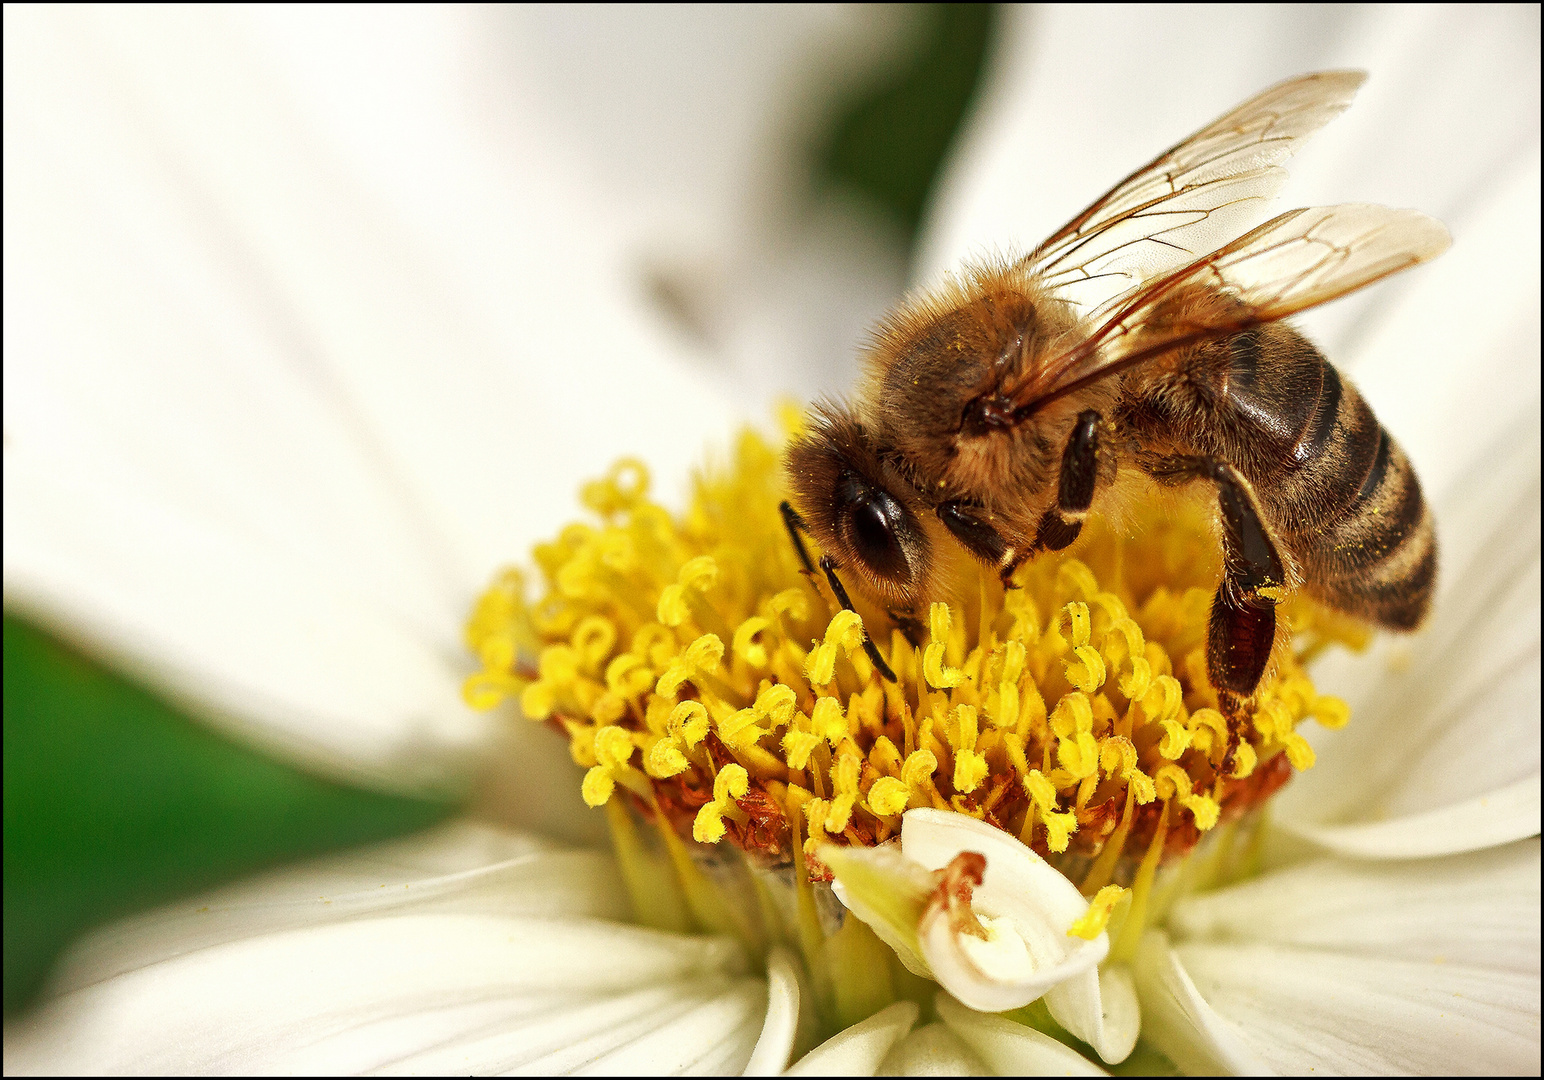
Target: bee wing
pixel 1193 197
pixel 1293 262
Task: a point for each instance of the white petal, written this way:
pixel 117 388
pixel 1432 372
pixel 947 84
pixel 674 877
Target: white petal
pixel 263 438
pixel 463 949
pixel 715 1038
pixel 259 643
pixel 1304 1010
pixel 1013 1049
pixel 1499 817
pixel 934 837
pixel 694 126
pixel 888 891
pixel 1018 885
pixel 859 1050
pixel 932 1050
pixel 1479 910
pixel 1180 1023
pixel 960 969
pixel 463 867
pixel 690 122
pixel 703 1028
pixel 789 1012
pixel 1442 752
pixel 379 992
pixel 1100 1007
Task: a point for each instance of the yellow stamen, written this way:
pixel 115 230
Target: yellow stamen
pixel 933 666
pixel 732 783
pixel 1072 710
pixel 1093 921
pixel 888 796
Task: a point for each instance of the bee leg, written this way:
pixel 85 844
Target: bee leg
pixel 972 526
pixel 1242 627
pixel 795 526
pixel 828 564
pixel 1061 523
pixel 1059 526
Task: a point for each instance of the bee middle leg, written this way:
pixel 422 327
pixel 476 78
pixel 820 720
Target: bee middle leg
pixel 1061 524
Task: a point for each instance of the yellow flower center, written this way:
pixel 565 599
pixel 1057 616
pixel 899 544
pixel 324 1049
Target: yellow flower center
pixel 692 663
pixel 710 687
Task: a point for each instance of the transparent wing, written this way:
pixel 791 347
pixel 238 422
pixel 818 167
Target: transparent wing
pixel 1293 262
pixel 1201 193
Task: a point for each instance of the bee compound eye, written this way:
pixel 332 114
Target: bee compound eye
pixel 876 521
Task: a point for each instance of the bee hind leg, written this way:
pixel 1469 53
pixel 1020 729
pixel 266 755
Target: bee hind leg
pixel 1242 629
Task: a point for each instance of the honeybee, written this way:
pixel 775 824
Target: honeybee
pixel 997 411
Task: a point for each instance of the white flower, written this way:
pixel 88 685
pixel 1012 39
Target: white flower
pixel 264 441
pixel 1027 910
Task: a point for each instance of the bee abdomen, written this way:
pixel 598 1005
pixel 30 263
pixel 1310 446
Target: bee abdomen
pixel 1377 557
pixel 1337 492
pixel 1349 506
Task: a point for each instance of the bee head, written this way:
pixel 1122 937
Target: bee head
pixel 859 508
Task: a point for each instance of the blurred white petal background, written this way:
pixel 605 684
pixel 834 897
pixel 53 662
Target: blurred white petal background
pixel 316 319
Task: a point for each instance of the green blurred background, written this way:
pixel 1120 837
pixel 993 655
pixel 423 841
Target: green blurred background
pixel 115 802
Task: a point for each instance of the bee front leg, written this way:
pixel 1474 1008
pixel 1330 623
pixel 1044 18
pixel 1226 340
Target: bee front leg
pixel 973 527
pixel 1060 524
pixel 828 565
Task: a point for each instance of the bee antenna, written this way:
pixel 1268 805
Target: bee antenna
pixel 828 564
pixel 795 525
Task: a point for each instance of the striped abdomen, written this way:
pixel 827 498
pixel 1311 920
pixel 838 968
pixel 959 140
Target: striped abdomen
pixel 1338 491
